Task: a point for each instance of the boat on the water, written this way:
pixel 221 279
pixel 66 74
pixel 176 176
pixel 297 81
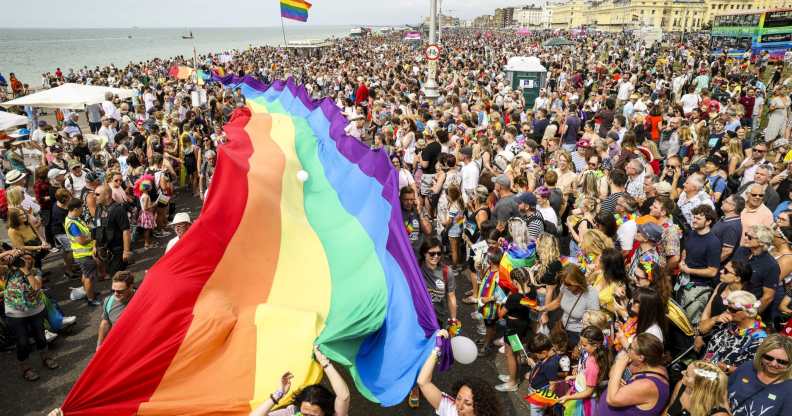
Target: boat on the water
pixel 188 37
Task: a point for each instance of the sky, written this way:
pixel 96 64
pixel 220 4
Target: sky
pixel 228 13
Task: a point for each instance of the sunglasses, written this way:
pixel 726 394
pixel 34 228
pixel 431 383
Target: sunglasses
pixel 749 237
pixel 769 358
pixel 432 253
pixel 760 150
pixel 733 310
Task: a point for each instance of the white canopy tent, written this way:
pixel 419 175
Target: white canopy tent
pixel 10 120
pixel 71 96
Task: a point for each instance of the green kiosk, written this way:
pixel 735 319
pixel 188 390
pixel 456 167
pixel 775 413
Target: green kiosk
pixel 526 74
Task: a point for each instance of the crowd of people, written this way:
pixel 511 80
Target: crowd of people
pixel 643 197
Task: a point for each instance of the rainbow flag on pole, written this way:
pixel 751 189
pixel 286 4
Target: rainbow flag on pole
pixel 295 9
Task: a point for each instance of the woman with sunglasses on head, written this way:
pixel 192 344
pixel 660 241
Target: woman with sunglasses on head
pixel 701 392
pixel 735 333
pixel 763 386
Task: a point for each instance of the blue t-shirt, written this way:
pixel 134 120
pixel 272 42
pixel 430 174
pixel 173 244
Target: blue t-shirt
pixel 545 372
pixel 750 397
pixel 716 183
pixel 702 251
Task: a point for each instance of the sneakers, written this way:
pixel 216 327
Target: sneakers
pixel 499 342
pixel 481 329
pixel 69 320
pixel 50 336
pixel 93 302
pixel 506 387
pixel 414 399
pixel 504 378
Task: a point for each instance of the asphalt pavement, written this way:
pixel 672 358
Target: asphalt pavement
pixel 74 349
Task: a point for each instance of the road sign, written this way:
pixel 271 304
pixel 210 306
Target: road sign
pixel 432 52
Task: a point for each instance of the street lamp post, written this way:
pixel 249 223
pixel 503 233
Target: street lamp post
pixel 430 88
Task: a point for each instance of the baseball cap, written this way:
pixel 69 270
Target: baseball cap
pixel 504 181
pixel 651 231
pixel 180 218
pixel 55 172
pixel 527 198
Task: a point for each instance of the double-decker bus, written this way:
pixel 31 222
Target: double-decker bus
pixel 754 32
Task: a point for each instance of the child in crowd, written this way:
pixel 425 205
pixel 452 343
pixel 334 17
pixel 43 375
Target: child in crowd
pixel 592 371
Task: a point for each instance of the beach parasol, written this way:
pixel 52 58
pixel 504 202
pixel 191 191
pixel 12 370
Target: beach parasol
pixel 11 120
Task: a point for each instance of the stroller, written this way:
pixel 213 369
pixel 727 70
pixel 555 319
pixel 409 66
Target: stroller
pixel 680 345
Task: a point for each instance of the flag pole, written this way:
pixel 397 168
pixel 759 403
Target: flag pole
pixel 283 30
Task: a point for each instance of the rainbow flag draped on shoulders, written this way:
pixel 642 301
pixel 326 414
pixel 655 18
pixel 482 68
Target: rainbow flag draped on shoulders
pixel 515 258
pixel 300 242
pixel 295 9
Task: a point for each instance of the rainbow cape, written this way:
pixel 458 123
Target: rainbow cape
pixel 273 266
pixel 295 9
pixel 487 289
pixel 514 258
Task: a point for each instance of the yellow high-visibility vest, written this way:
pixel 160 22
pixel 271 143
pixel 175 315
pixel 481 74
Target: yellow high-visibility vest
pixel 79 250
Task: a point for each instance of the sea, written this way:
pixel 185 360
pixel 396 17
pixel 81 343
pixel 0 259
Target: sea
pixel 31 52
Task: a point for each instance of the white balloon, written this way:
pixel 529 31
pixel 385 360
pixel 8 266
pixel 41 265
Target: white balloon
pixel 302 175
pixel 464 350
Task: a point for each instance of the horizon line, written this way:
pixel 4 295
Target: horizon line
pixel 189 27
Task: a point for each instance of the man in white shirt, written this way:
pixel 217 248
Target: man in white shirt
pixel 625 219
pixel 181 223
pixel 470 173
pixel 541 101
pixel 107 130
pixel 690 101
pixel 38 134
pixel 110 110
pixel 625 89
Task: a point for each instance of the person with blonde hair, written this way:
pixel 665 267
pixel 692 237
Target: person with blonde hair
pixel 735 333
pixel 593 243
pixel 702 391
pixel 764 386
pixel 581 220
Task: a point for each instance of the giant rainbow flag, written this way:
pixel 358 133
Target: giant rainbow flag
pixel 272 266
